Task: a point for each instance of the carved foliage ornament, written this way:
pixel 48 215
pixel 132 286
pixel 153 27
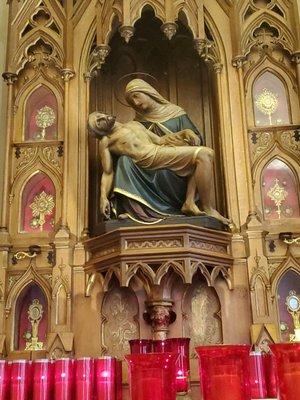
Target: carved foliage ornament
pixel 201 316
pixel 261 142
pixel 119 313
pixel 41 55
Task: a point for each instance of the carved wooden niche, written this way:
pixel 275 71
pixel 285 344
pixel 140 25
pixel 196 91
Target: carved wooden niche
pixel 32 295
pixel 41 115
pixel 201 315
pixel 290 281
pixel 120 324
pixel 279 191
pixel 149 53
pixel 38 204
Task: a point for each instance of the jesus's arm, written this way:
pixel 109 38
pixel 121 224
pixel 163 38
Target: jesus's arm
pixel 107 176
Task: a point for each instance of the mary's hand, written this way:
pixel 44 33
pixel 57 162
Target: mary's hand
pixel 191 138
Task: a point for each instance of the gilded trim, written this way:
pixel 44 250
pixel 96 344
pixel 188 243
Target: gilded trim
pixel 141 200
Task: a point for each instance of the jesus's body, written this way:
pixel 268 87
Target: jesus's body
pixel 149 151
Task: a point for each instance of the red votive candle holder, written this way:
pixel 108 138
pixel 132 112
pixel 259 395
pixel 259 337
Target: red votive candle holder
pixel 288 369
pixel 180 346
pixel 63 379
pixel 140 346
pixel 257 376
pixel 119 380
pixel 161 346
pixel 105 378
pixel 224 372
pixel 84 378
pixel 152 376
pixel 43 380
pixel 5 372
pixel 270 375
pixel 20 383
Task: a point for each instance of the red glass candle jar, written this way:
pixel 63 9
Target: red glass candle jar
pixel 43 380
pixel 257 376
pixel 119 380
pixel 270 375
pixel 5 372
pixel 84 378
pixel 140 346
pixel 288 369
pixel 161 346
pixel 20 388
pixel 105 378
pixel 180 346
pixel 224 372
pixel 152 376
pixel 63 379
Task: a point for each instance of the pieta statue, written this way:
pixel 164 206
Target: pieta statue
pixel 155 166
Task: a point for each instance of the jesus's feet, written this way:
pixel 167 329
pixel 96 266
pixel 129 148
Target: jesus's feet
pixel 215 214
pixel 191 209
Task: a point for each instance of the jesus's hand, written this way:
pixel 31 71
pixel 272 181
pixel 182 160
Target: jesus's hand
pixel 105 207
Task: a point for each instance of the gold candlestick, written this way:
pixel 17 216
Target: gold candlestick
pixel 35 314
pixel 293 307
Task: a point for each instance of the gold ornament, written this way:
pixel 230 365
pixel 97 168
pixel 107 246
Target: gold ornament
pixel 278 195
pixel 44 119
pixel 42 205
pixel 293 306
pixel 35 315
pixel 267 103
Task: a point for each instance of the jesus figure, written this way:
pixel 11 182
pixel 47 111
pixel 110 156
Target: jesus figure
pixel 151 152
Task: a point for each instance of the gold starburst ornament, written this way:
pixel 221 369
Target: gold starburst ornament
pixel 267 103
pixel 42 205
pixel 277 194
pixel 44 119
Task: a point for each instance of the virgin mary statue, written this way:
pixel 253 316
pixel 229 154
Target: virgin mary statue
pixel 148 196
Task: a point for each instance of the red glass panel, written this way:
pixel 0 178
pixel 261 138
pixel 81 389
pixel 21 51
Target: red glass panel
pixel 270 101
pixel 43 380
pixel 288 369
pixel 152 376
pixel 35 106
pixel 279 191
pixel 23 325
pixel 288 282
pixel 224 371
pixel 38 204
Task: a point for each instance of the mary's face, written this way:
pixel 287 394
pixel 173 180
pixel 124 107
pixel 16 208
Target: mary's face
pixel 141 102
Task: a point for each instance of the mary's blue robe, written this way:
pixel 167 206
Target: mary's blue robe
pixel 146 195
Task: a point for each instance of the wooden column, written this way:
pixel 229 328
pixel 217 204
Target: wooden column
pixel 67 74
pixel 10 79
pixel 238 63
